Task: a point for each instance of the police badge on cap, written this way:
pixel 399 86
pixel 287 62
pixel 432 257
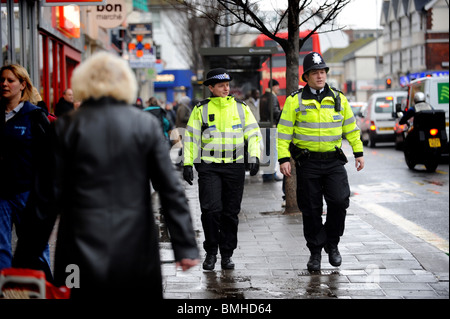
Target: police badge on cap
pixel 216 76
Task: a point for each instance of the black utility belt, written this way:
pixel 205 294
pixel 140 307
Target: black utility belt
pixel 323 155
pixel 300 155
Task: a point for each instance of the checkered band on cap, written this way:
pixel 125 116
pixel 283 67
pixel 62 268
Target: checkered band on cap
pixel 223 76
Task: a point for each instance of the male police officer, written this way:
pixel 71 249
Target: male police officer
pixel 218 131
pixel 311 127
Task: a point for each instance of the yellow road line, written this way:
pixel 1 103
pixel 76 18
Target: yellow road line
pixel 407 225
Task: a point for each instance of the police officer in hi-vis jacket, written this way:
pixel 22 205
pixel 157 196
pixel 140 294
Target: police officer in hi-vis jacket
pixel 221 133
pixel 311 128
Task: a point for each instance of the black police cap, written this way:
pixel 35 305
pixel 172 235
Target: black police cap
pixel 313 61
pixel 216 76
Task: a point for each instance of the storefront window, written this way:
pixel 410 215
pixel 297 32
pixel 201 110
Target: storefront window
pixel 50 73
pixel 17 28
pixel 4 34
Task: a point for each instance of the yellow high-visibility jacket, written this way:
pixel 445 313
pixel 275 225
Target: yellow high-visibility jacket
pixel 316 126
pixel 218 130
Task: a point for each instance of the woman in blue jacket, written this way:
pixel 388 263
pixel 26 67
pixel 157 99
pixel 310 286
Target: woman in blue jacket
pixel 24 151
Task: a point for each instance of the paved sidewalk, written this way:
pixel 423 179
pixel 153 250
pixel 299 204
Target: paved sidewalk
pixel 380 260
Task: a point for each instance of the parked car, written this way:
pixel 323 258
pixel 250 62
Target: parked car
pixel 376 120
pixel 436 90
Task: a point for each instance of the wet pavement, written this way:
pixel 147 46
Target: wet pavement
pixel 380 260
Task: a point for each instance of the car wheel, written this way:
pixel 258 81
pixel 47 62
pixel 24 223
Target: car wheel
pixel 372 143
pixel 431 166
pixel 409 161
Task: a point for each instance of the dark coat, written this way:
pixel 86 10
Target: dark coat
pixel 269 100
pixel 107 153
pixel 22 142
pixel 63 107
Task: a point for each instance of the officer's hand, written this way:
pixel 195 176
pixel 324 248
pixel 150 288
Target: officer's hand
pixel 285 169
pixel 359 163
pixel 254 166
pixel 188 174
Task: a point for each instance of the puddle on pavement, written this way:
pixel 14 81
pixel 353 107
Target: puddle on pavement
pixel 221 283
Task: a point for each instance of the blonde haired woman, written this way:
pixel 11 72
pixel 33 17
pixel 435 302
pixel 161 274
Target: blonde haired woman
pixel 24 154
pixel 107 152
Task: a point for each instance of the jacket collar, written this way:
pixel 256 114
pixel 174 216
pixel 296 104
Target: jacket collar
pixel 308 95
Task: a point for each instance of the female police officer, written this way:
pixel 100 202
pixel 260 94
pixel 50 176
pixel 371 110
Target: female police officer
pixel 216 135
pixel 310 129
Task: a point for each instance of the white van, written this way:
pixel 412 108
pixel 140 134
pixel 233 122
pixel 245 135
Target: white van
pixel 436 90
pixel 376 120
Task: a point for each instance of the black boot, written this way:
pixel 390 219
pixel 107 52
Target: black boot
pixel 210 262
pixel 227 263
pixel 334 257
pixel 314 262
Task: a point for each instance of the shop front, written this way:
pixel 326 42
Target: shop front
pixel 44 38
pixel 171 85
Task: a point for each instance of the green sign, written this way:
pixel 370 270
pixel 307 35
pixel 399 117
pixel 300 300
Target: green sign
pixel 140 5
pixel 443 93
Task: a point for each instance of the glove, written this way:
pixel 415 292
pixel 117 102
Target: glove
pixel 188 174
pixel 254 166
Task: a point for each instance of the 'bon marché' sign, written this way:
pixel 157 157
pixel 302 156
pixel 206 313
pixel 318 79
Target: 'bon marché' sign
pixel 111 14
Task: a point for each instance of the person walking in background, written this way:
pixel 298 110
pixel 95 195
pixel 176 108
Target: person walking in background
pixel 215 138
pixel 139 103
pixel 270 112
pixel 252 100
pixel 24 159
pixel 311 128
pixel 107 153
pixel 171 115
pixel 65 103
pixel 183 113
pixel 156 110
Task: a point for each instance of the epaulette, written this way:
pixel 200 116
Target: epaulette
pixel 296 92
pixel 334 89
pixel 240 101
pixel 205 101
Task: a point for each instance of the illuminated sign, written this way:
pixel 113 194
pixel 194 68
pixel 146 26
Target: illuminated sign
pixel 165 78
pixel 67 20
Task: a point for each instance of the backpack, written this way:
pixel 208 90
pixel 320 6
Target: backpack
pixel 160 114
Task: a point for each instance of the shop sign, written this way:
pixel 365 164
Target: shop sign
pixel 67 20
pixel 110 15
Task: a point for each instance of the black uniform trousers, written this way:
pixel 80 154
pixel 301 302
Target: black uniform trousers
pixel 221 187
pixel 318 179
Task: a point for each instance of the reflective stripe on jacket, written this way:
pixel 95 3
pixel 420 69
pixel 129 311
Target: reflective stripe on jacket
pixel 220 128
pixel 316 126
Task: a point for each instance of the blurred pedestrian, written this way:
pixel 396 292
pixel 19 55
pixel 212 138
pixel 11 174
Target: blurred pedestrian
pixel 139 103
pixel 171 115
pixel 106 154
pixel 24 157
pixel 252 100
pixel 183 112
pixel 65 103
pixel 270 112
pixel 156 110
pixel 217 131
